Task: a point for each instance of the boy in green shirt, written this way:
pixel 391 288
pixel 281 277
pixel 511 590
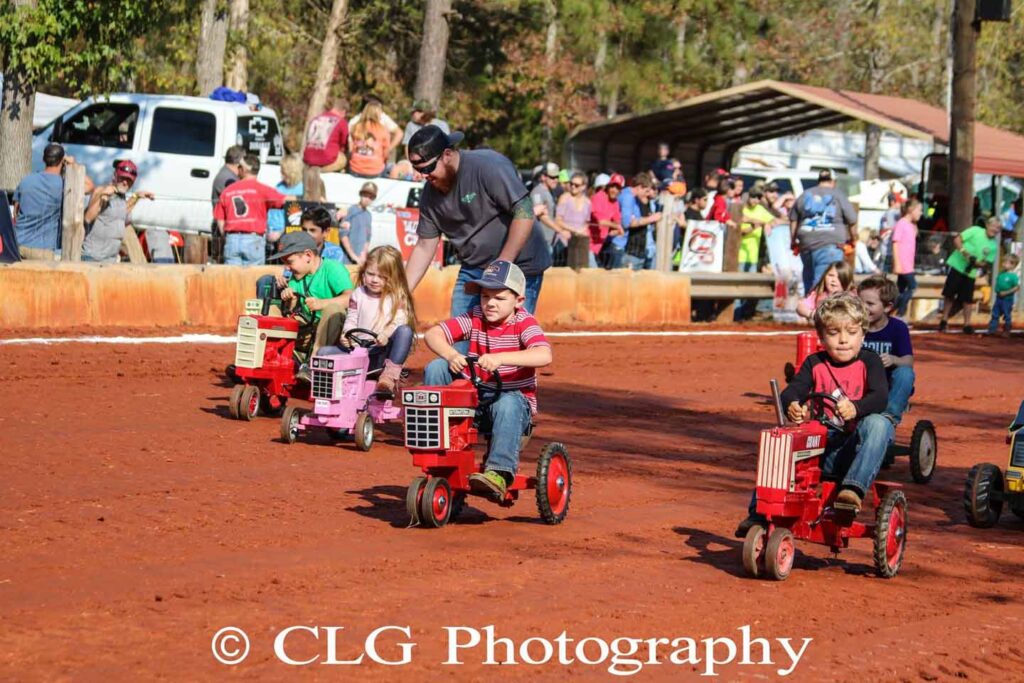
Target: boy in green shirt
pixel 972 246
pixel 324 286
pixel 1007 285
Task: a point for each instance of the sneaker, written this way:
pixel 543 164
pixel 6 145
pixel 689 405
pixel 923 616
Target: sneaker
pixel 968 329
pixel 750 522
pixel 848 500
pixel 490 484
pixel 943 324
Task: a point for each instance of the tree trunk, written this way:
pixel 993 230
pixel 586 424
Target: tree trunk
pixel 600 58
pixel 961 133
pixel 19 102
pixel 433 52
pixel 872 152
pixel 213 38
pixel 679 63
pixel 238 31
pixel 328 64
pixel 550 55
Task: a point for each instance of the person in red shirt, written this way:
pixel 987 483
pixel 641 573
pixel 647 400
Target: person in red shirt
pixel 241 215
pixel 327 138
pixel 605 218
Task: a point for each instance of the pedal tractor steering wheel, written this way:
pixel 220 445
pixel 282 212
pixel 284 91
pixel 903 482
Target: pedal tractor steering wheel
pixel 361 337
pixel 485 401
pixel 818 401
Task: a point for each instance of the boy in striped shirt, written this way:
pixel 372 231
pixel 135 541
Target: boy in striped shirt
pixel 504 339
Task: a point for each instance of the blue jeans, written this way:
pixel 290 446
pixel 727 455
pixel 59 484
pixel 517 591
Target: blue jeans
pixel 817 261
pixel 507 419
pixel 396 350
pixel 637 263
pixel 906 283
pixel 244 249
pixel 612 257
pixel 463 303
pixel 1003 307
pixel 901 387
pixel 743 309
pixel 856 458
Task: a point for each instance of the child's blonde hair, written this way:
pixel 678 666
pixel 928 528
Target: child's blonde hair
pixel 388 261
pixel 838 307
pixel 291 169
pixel 843 270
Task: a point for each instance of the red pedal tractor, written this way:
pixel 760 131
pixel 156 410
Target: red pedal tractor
pixel 797 504
pixel 923 447
pixel 441 428
pixel 265 364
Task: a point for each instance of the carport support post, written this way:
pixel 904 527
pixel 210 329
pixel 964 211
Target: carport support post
pixel 663 234
pixel 73 213
pixel 961 116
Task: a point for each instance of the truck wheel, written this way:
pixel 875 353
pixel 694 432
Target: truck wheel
pixel 924 451
pixel 554 483
pixel 436 503
pixel 249 404
pixel 412 499
pixel 779 554
pixel 753 549
pixel 983 495
pixel 290 424
pixel 363 432
pixel 890 534
pixel 234 401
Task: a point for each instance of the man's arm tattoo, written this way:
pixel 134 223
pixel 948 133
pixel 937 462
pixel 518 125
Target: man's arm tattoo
pixel 523 208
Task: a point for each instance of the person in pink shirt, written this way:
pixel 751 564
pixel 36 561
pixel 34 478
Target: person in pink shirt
pixel 605 217
pixel 904 251
pixel 836 279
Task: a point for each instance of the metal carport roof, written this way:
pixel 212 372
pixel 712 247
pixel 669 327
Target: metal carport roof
pixel 705 131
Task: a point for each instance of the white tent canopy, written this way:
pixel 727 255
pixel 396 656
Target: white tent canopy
pixel 48 107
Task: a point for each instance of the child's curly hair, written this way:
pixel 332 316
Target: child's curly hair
pixel 838 307
pixel 887 290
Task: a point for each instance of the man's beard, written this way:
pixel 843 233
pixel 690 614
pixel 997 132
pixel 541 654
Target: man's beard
pixel 442 185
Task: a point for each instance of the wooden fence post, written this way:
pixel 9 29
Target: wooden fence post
pixel 73 221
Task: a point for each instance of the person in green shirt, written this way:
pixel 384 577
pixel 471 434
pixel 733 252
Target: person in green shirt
pixel 319 287
pixel 972 247
pixel 1007 284
pixel 755 218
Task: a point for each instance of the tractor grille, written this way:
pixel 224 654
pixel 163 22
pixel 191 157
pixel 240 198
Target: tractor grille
pixel 422 427
pixel 1017 450
pixel 323 384
pixel 775 461
pixel 246 347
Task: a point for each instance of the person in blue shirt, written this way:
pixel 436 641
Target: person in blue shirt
pixel 355 228
pixel 890 338
pixel 37 207
pixel 636 247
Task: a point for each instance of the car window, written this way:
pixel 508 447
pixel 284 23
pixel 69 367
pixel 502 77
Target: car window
pixel 809 182
pixel 785 185
pixel 183 131
pixel 258 133
pixel 107 124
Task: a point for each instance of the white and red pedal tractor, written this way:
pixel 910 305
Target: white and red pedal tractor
pixel 988 486
pixel 798 505
pixel 441 429
pixel 344 395
pixel 923 447
pixel 266 361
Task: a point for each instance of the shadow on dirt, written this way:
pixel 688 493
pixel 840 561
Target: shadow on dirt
pixel 387 504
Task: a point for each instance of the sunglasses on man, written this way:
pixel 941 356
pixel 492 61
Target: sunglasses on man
pixel 427 167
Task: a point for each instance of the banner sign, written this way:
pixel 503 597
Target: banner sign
pixel 703 247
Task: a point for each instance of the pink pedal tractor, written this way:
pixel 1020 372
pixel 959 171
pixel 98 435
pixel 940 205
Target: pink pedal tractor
pixel 441 428
pixel 797 504
pixel 344 395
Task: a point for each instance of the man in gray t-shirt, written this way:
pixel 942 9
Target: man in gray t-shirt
pixel 821 221
pixel 477 200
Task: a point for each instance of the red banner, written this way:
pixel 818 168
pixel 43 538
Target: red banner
pixel 406 222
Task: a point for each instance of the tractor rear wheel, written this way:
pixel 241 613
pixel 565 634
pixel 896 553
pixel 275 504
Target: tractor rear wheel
pixel 412 499
pixel 924 451
pixel 363 431
pixel 436 503
pixel 554 483
pixel 753 550
pixel 249 404
pixel 234 402
pixel 983 495
pixel 458 505
pixel 890 534
pixel 779 554
pixel 290 424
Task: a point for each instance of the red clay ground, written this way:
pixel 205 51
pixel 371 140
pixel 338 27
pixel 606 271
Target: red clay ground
pixel 136 520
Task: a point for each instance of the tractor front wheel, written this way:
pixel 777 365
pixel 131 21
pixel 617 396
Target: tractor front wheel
pixel 249 404
pixel 890 534
pixel 779 554
pixel 412 499
pixel 363 431
pixel 290 424
pixel 554 483
pixel 1016 504
pixel 924 450
pixel 234 402
pixel 983 495
pixel 753 550
pixel 436 503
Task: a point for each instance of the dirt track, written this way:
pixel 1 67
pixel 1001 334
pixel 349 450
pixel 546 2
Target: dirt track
pixel 136 520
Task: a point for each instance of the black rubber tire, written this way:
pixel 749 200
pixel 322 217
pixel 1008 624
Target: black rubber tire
pixel 922 463
pixel 982 507
pixel 753 550
pixel 337 434
pixel 1016 505
pixel 437 487
pixel 267 408
pixel 884 517
pixel 458 506
pixel 289 418
pixel 234 402
pixel 363 432
pixel 553 497
pixel 230 373
pixel 779 554
pixel 249 403
pixel 412 499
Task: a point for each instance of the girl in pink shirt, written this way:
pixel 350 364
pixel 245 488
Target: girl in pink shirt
pixel 382 304
pixel 836 280
pixel 904 251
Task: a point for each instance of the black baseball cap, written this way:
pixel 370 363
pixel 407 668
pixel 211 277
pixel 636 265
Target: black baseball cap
pixel 428 143
pixel 825 175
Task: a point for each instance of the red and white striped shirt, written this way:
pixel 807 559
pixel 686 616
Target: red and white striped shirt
pixel 520 332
